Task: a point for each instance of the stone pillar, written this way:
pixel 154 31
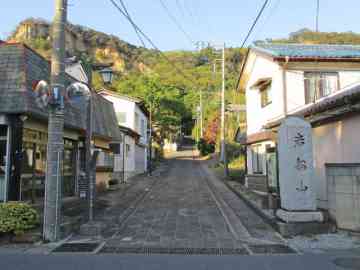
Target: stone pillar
pixel 296 172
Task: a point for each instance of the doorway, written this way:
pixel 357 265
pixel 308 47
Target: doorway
pixel 3 161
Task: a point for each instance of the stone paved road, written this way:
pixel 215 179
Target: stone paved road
pixel 190 209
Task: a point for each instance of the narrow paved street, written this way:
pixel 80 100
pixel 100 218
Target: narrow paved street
pixel 189 210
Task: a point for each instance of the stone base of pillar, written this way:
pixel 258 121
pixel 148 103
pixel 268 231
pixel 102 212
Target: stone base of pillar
pixel 299 223
pixel 300 216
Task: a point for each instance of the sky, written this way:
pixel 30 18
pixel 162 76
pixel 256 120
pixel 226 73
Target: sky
pixel 203 20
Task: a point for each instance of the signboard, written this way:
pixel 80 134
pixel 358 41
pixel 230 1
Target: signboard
pixel 296 169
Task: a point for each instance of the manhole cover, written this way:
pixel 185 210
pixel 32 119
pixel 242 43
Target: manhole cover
pixel 76 247
pixel 174 251
pixel 348 263
pixel 271 249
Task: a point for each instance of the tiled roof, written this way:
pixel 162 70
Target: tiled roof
pixel 20 67
pixel 309 51
pixel 342 99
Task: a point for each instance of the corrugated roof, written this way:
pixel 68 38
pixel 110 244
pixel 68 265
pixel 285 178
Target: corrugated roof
pixel 309 51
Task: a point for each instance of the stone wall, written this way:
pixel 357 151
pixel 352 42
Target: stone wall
pixel 257 182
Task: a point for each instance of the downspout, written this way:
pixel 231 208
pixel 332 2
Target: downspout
pixel 284 80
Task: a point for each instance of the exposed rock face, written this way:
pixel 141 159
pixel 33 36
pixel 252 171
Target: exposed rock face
pixel 80 40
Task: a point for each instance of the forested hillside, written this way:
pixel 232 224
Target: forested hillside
pixel 171 84
pixel 308 36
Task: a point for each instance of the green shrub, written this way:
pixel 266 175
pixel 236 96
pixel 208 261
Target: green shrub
pixel 205 148
pixel 17 217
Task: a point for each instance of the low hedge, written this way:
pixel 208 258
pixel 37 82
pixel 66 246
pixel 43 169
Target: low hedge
pixel 16 218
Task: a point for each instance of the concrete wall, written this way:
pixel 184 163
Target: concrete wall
pixel 334 143
pixel 344 195
pixel 102 181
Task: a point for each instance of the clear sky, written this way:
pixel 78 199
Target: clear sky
pixel 208 20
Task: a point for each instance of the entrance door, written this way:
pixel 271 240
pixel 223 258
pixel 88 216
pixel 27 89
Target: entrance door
pixel 3 158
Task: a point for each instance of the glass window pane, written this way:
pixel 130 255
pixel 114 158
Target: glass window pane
pixel 121 117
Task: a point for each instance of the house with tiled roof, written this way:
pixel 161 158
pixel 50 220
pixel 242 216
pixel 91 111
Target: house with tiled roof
pixel 320 83
pixel 23 130
pixel 133 121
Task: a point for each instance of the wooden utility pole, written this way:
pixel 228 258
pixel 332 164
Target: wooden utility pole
pixel 222 131
pixel 55 149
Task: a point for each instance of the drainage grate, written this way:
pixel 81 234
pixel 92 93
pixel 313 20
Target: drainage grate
pixel 174 251
pixel 348 263
pixel 77 247
pixel 271 249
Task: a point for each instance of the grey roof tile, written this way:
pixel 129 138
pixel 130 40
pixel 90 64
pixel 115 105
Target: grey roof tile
pixel 20 67
pixel 309 51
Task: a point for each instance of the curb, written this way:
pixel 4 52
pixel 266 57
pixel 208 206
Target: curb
pixel 251 205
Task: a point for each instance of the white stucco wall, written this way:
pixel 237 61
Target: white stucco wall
pixel 123 105
pixel 295 86
pixel 334 143
pixel 126 106
pixel 143 133
pixel 347 78
pixel 256 115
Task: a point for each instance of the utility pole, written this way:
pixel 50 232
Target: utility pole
pixel 222 135
pixel 55 149
pixel 150 139
pixel 201 115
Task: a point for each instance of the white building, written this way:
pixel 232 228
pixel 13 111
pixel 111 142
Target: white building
pixel 320 83
pixel 133 119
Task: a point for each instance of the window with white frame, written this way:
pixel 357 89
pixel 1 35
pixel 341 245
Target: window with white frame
pixel 266 95
pixel 320 84
pixel 121 117
pixel 143 130
pixel 256 159
pixel 127 150
pixel 137 122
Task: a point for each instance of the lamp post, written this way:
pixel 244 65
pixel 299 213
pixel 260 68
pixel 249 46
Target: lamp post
pixel 107 75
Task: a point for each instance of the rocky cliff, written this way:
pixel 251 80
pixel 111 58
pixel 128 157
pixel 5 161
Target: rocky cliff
pixel 82 41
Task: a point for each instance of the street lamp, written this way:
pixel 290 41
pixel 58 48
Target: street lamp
pixel 107 75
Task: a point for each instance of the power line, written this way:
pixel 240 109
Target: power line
pixel 175 21
pixel 274 8
pixel 178 4
pixel 254 23
pixel 151 42
pixel 132 23
pixel 250 31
